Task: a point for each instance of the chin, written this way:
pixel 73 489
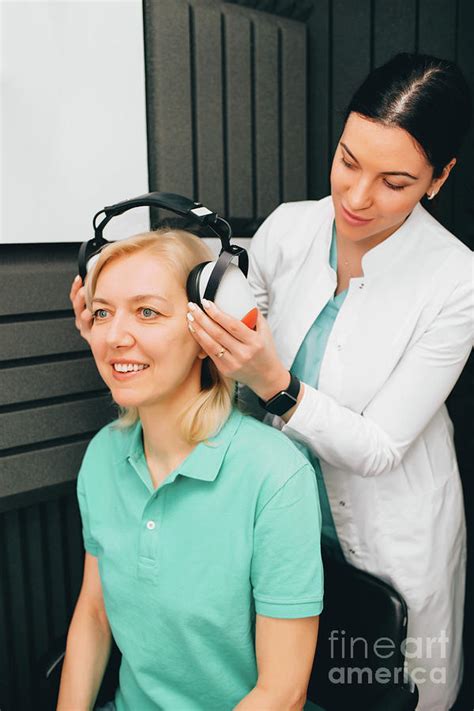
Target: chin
pixel 126 402
pixel 124 399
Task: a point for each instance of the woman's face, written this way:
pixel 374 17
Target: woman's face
pixel 140 318
pixel 378 175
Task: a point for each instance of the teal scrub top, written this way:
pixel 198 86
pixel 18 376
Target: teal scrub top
pixel 306 367
pixel 233 531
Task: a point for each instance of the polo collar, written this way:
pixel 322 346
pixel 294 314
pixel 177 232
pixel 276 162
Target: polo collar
pixel 204 462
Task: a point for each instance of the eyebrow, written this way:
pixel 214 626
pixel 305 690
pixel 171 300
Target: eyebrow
pixel 385 172
pixel 133 299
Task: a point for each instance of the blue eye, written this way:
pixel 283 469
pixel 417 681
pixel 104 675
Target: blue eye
pixel 147 312
pixel 98 313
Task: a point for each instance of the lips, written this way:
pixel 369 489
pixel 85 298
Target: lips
pixel 128 375
pixel 135 372
pixel 354 219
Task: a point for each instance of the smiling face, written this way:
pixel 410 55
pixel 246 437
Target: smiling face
pixel 378 175
pixel 139 311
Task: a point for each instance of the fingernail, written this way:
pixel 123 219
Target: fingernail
pixel 78 278
pixel 191 328
pixel 192 306
pixel 206 303
pixel 190 317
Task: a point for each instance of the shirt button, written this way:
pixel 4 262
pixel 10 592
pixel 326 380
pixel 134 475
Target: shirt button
pixel 351 550
pixel 150 525
pixel 342 503
pixel 339 347
pixel 361 286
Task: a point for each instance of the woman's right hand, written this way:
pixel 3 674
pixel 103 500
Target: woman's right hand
pixel 81 312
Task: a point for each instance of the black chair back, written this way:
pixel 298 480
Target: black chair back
pixel 359 659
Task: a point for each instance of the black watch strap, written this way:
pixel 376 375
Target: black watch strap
pixel 284 400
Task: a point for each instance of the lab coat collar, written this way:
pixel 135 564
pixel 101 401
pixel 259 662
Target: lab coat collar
pixel 391 249
pixel 394 248
pixel 316 280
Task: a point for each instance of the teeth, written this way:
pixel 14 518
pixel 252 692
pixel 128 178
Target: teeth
pixel 128 367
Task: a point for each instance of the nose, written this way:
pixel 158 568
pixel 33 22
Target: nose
pixel 119 334
pixel 359 194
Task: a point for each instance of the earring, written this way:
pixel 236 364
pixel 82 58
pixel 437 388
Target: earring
pixel 430 197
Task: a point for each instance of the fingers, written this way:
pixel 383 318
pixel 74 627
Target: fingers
pixel 222 328
pixel 220 355
pixel 83 317
pixel 75 286
pixel 230 324
pixel 210 335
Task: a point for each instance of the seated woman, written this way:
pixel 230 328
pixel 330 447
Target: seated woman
pixel 201 525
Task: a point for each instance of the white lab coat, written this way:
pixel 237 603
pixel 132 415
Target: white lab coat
pixel 378 421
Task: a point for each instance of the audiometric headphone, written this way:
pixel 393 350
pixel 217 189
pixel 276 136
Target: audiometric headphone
pixel 219 281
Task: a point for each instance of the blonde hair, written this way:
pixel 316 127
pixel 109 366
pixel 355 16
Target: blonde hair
pixel 181 251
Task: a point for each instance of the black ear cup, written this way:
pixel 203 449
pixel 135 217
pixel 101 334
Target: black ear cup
pixel 192 284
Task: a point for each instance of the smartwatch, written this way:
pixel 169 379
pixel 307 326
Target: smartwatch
pixel 284 400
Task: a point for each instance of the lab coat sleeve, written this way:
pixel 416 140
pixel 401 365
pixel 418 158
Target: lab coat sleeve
pixel 259 275
pixel 374 442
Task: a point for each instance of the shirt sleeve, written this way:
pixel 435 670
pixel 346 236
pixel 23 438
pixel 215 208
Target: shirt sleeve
pixel 286 570
pixel 90 544
pixel 374 442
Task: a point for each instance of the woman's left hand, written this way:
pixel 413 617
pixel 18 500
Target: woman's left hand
pixel 249 356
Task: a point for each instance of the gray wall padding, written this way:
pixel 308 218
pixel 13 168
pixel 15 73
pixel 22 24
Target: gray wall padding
pixel 226 90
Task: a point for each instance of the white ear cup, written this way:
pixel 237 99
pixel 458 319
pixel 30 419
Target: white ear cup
pixel 234 295
pixel 91 263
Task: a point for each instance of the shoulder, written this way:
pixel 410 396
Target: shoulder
pixel 266 454
pixel 107 447
pixel 289 232
pixel 443 253
pixel 301 215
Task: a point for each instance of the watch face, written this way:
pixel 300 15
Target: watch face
pixel 281 403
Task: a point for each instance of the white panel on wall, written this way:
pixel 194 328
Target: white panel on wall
pixel 73 135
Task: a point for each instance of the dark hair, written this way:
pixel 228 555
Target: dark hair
pixel 426 96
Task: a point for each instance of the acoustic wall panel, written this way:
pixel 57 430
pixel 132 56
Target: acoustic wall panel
pixel 463 204
pixel 266 136
pixel 293 80
pixel 350 57
pixel 30 338
pixel 34 425
pixel 41 558
pixel 232 130
pixel 320 82
pixel 168 84
pixel 207 65
pixel 394 29
pixel 238 81
pixel 52 398
pixel 23 381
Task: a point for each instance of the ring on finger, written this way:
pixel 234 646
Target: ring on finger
pixel 220 353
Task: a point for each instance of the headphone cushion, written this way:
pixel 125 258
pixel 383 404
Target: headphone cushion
pixel 192 283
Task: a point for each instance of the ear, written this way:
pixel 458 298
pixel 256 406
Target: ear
pixel 202 355
pixel 438 183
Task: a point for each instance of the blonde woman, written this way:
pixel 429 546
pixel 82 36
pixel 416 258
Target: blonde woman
pixel 201 525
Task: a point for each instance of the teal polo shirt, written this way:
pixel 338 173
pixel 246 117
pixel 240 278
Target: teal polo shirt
pixel 233 531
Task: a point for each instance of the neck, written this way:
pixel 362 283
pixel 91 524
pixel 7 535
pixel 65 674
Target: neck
pixel 163 443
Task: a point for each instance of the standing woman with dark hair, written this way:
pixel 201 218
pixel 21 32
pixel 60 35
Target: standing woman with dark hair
pixel 368 301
